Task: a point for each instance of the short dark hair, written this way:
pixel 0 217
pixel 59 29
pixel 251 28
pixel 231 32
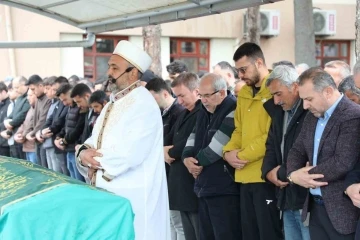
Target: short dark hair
pixel 177 66
pixel 75 77
pixel 99 97
pixel 49 81
pixel 318 77
pixel 61 80
pixel 285 62
pixel 34 80
pixel 63 89
pixel 157 85
pixel 189 80
pixel 201 73
pixel 80 90
pixel 250 50
pixel 3 87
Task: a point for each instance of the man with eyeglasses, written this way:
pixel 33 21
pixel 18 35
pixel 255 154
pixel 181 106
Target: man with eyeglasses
pixel 246 149
pixel 219 207
pixel 125 151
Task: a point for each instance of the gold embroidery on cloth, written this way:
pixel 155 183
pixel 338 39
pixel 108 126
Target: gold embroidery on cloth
pixel 10 183
pixel 105 120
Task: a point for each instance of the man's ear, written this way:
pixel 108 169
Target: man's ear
pixel 223 93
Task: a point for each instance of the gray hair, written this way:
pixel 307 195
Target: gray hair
pixel 344 68
pixel 356 68
pixel 283 73
pixel 189 80
pixel 348 84
pixel 226 66
pixel 218 82
pixel 284 62
pixel 318 77
pixel 303 66
pixel 21 80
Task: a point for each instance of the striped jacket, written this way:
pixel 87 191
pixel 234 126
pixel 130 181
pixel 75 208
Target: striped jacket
pixel 205 143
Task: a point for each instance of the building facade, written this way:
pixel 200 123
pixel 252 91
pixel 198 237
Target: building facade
pixel 200 42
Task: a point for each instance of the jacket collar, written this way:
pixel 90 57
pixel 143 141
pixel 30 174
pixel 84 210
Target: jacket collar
pixel 263 94
pixel 225 102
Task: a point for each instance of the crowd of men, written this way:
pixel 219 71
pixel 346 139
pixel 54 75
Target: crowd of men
pixel 250 153
pixel 278 162
pixel 42 120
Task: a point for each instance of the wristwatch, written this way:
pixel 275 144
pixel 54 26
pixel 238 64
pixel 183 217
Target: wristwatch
pixel 80 149
pixel 289 178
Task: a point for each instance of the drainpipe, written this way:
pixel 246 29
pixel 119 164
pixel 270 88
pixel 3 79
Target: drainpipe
pixel 9 33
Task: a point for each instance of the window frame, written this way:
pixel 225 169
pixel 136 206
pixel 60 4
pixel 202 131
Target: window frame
pixel 94 54
pixel 179 54
pixel 324 42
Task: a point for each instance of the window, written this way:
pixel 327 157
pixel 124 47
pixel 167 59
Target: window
pixel 329 50
pixel 194 52
pixel 96 57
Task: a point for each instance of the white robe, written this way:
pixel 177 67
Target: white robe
pixel 132 148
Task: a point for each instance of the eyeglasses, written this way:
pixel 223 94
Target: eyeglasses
pixel 207 95
pixel 242 70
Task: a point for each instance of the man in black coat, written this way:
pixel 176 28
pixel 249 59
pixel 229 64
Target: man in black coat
pixel 72 130
pixel 180 182
pixel 287 115
pixel 81 94
pixel 4 104
pixel 170 110
pixel 18 115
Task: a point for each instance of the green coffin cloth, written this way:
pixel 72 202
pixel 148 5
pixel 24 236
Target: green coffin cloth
pixel 37 203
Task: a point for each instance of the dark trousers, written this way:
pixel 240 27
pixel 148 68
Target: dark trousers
pixel 320 226
pixel 219 218
pixel 190 221
pixel 260 218
pixel 5 151
pixel 41 155
pixel 17 152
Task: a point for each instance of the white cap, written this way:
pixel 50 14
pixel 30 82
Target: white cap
pixel 134 55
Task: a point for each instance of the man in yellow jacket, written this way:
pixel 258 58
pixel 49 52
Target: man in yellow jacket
pixel 260 218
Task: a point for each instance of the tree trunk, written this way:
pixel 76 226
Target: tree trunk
pixel 152 45
pixel 304 32
pixel 253 25
pixel 357 31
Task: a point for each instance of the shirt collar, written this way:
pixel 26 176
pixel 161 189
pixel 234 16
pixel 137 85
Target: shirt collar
pixel 295 106
pixel 123 93
pixel 330 111
pixel 166 110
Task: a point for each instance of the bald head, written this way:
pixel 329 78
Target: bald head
pixel 212 91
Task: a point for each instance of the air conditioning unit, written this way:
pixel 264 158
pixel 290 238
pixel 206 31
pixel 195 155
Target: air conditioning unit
pixel 269 22
pixel 324 22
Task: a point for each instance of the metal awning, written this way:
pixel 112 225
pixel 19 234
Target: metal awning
pixel 96 16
